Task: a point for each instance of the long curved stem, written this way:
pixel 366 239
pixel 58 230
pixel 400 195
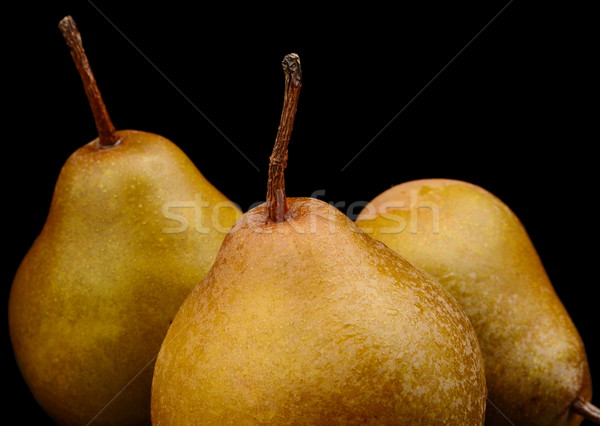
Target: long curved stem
pixel 106 130
pixel 276 201
pixel 587 410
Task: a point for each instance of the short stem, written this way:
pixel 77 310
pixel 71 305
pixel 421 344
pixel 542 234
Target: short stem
pixel 276 201
pixel 106 130
pixel 587 410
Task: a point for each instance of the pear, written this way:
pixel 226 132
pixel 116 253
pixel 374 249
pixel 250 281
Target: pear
pixel 305 319
pixel 93 298
pixel 535 361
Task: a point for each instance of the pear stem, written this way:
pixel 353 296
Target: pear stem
pixel 276 201
pixel 587 410
pixel 106 129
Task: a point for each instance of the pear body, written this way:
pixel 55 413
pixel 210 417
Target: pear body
pixel 311 321
pixel 94 296
pixel 478 249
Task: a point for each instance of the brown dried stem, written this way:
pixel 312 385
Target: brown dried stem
pixel 587 410
pixel 276 201
pixel 106 130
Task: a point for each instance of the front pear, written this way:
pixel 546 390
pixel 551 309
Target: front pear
pixel 305 319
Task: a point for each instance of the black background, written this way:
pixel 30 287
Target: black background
pixel 514 113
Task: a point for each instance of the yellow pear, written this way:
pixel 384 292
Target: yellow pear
pixel 93 298
pixel 305 319
pixel 536 366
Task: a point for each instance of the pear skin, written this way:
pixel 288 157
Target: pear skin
pixel 476 247
pixel 311 321
pixel 93 298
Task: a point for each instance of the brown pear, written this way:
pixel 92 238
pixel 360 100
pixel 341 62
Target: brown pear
pixel 305 319
pixel 535 361
pixel 121 248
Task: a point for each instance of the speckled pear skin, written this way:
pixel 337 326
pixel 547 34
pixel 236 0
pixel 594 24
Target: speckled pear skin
pixel 534 358
pixel 94 296
pixel 311 321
